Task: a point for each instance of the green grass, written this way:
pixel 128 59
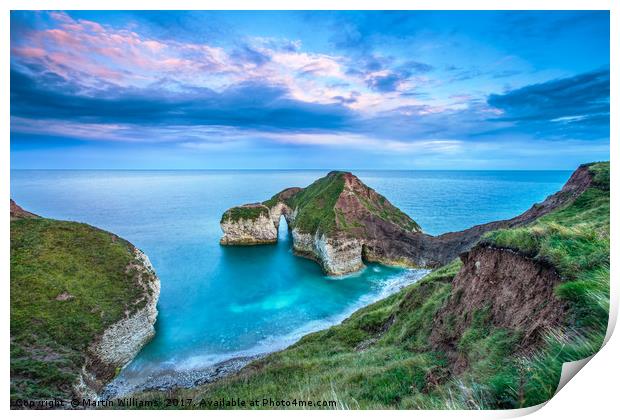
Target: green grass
pixel 244 212
pixel 48 337
pixel 381 357
pixel 315 204
pixel 273 200
pixel 601 174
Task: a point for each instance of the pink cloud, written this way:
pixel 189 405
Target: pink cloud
pixel 28 52
pixel 61 17
pixel 89 53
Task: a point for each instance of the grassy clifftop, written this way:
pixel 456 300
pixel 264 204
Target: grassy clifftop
pixel 244 212
pixel 69 281
pixel 382 356
pixel 340 202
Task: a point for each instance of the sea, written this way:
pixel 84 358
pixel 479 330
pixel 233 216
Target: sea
pixel 219 303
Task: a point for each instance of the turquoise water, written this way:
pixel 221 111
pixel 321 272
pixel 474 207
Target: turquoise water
pixel 217 302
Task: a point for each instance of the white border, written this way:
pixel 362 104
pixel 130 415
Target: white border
pixel 592 395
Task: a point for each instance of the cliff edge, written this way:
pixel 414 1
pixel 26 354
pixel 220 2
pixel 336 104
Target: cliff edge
pixel 83 303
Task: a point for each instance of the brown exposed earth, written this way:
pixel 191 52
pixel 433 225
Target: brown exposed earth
pixel 18 213
pixel 366 213
pixel 509 290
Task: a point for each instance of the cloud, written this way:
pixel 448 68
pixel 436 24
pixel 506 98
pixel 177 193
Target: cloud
pixel 91 54
pixel 367 142
pixel 384 74
pixel 93 80
pixel 304 63
pixel 385 81
pixel 248 54
pixel 242 105
pixel 572 106
pixel 416 67
pixel 364 30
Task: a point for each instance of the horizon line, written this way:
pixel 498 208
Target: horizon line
pixel 276 169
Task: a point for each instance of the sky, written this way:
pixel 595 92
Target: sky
pixel 309 90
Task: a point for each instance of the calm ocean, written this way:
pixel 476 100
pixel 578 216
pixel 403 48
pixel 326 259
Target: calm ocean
pixel 219 302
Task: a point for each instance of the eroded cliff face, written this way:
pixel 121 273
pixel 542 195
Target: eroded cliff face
pixel 17 212
pixel 121 342
pixel 251 224
pixel 336 256
pixel 79 295
pixel 502 288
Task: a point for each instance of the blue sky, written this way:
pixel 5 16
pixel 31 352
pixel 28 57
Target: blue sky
pixel 286 90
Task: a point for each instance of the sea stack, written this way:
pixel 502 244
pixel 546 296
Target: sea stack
pixel 337 221
pixel 249 224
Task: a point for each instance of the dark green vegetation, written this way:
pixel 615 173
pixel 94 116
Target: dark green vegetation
pixel 244 212
pixel 382 356
pixel 69 281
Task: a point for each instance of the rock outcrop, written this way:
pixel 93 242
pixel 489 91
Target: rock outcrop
pixel 250 224
pixel 18 213
pixel 340 222
pixel 435 251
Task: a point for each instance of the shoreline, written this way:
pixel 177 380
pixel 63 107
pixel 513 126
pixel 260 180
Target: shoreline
pixel 179 379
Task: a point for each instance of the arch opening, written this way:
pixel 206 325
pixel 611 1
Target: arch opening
pixel 284 233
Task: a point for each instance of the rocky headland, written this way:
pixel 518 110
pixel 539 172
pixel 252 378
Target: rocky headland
pixel 83 303
pixel 337 221
pixel 341 223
